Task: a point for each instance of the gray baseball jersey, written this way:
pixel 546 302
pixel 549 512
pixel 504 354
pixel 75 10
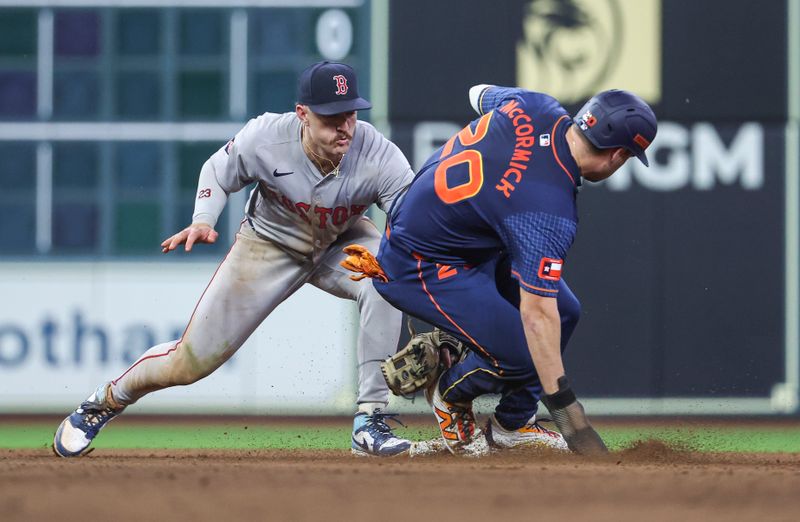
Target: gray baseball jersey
pixel 301 220
pixel 294 205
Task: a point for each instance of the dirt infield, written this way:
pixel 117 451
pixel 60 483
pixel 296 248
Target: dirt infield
pixel 648 482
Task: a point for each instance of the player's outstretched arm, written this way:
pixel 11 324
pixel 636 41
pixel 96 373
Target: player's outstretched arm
pixel 542 325
pixel 194 233
pixel 210 201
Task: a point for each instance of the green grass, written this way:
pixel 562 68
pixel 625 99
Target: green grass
pixel 226 436
pixel 710 438
pixel 187 436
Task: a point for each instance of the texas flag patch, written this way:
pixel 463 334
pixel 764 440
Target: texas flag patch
pixel 550 269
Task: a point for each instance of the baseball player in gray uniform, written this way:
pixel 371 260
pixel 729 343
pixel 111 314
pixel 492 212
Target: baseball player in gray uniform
pixel 316 170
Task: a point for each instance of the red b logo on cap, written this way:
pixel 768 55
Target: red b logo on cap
pixel 341 84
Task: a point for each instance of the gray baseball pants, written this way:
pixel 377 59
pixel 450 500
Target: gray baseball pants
pixel 253 279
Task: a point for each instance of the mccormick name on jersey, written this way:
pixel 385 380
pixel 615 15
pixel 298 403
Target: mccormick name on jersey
pixel 523 128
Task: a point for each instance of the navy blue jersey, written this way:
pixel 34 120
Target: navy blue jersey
pixel 505 183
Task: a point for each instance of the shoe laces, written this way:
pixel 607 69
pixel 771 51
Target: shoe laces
pixel 535 424
pixel 94 417
pixel 463 420
pixel 377 421
pixel 462 413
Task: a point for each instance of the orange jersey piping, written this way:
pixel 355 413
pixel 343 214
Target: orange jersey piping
pixel 439 308
pixel 526 285
pixel 553 146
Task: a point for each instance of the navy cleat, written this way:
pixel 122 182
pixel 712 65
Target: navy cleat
pixel 372 437
pixel 76 432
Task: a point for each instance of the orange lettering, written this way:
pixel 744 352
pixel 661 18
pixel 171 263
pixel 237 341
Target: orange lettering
pixel 524 130
pixel 510 106
pixel 467 137
pixel 451 195
pixel 521 155
pixel 505 187
pixel 517 174
pixel 522 116
pixel 525 142
pixel 446 271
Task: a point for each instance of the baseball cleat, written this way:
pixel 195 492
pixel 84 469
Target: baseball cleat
pixel 460 432
pixel 532 434
pixel 372 437
pixel 76 432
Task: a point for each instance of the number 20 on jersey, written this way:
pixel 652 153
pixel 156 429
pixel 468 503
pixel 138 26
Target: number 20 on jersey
pixel 471 157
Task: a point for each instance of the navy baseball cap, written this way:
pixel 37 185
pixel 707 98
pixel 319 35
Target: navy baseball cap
pixel 618 118
pixel 330 88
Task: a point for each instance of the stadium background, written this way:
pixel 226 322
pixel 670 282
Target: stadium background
pixel 688 271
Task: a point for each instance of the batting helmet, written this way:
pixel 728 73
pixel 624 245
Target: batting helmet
pixel 618 118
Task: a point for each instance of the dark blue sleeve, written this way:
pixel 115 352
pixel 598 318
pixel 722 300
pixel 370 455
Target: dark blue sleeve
pixel 493 97
pixel 538 243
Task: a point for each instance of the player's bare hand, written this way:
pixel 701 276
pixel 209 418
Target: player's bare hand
pixel 194 233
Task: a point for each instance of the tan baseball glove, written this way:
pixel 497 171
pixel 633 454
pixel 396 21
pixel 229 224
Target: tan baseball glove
pixel 420 363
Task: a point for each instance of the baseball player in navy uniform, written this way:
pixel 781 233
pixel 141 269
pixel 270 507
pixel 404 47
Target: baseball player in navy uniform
pixel 477 246
pixel 316 171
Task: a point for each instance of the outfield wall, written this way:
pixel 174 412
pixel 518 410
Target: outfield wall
pixel 66 327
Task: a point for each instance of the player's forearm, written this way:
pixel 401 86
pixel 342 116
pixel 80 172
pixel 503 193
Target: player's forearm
pixel 210 198
pixel 542 326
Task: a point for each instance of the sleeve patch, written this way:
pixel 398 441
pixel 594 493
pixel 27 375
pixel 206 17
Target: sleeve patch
pixel 550 269
pixel 537 243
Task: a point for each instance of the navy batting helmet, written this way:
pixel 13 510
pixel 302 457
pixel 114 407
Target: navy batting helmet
pixel 618 118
